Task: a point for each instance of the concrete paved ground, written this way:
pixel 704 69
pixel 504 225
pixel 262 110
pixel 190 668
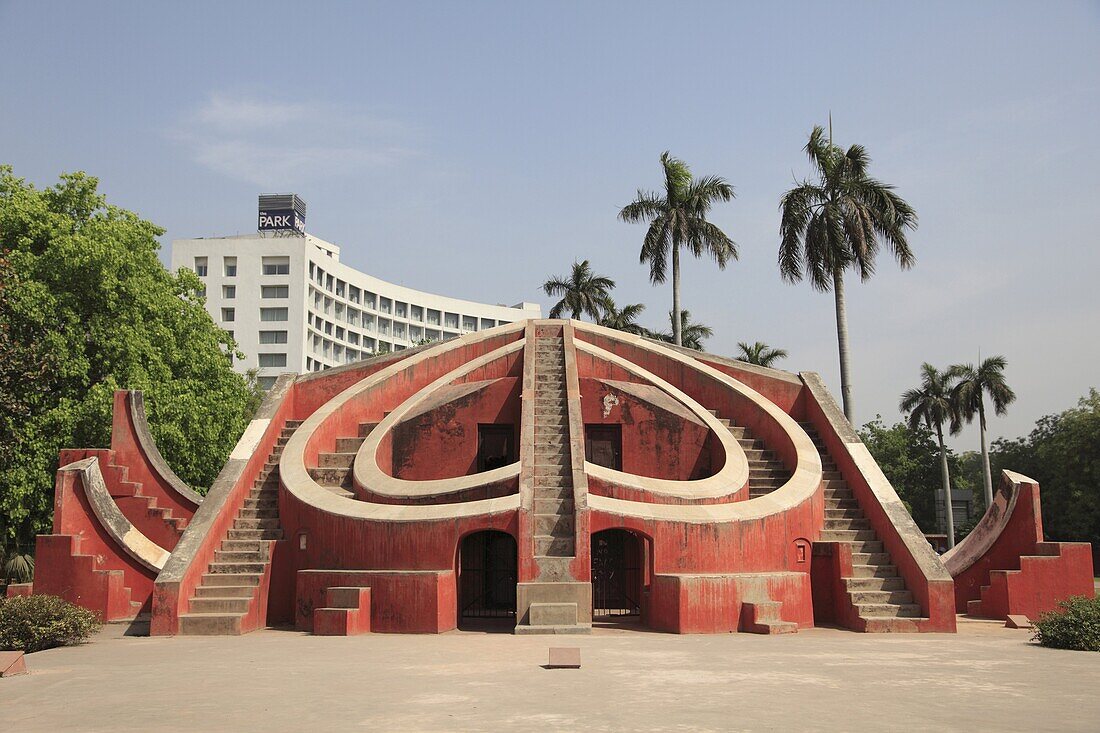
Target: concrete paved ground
pixel 986 678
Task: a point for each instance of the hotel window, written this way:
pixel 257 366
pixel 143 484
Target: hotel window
pixel 272 360
pixel 340 333
pixel 200 266
pixel 229 292
pixel 201 292
pixel 340 288
pixel 450 320
pixel 368 299
pixel 229 315
pixel 274 291
pixel 416 313
pixel 273 337
pixel 329 281
pixel 353 294
pixel 229 265
pixel 399 330
pixel 266 382
pixel 400 309
pixel 353 337
pixel 274 314
pixel 469 323
pixel 384 305
pixel 487 323
pixel 312 267
pixel 415 333
pixel 276 265
pixel 433 318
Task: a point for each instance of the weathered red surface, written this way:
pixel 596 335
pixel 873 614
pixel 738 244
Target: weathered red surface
pixel 1019 573
pixel 407 602
pixel 128 452
pixel 712 604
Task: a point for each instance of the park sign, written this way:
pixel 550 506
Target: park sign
pixel 282 212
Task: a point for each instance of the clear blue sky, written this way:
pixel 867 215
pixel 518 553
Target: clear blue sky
pixel 473 149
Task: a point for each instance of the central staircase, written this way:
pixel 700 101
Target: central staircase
pixel 225 602
pixel 555 607
pixel 877 593
pixel 766 472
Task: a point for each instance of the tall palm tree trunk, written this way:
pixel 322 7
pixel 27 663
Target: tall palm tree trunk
pixel 677 324
pixel 945 474
pixel 987 474
pixel 842 341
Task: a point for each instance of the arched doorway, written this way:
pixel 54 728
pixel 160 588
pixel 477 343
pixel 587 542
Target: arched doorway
pixel 618 572
pixel 487 577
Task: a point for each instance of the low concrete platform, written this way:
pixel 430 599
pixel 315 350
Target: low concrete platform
pixel 986 677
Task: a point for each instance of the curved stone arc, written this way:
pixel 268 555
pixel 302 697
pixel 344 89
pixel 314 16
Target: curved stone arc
pixel 988 530
pixel 301 486
pixel 804 482
pixel 124 534
pixel 373 479
pixel 728 480
pixel 152 453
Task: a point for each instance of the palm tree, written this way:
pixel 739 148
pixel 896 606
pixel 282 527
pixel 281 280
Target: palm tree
pixel 932 404
pixel 584 292
pixel 760 353
pixel 835 224
pixel 692 334
pixel 969 394
pixel 677 218
pixel 624 319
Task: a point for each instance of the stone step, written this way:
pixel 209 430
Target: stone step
pixel 831 475
pixel 847 513
pixel 867 584
pixel 225 591
pixel 552 614
pixel 759 454
pixel 255 534
pixel 874 571
pixel 554 569
pixel 881 597
pixel 887 610
pixel 835 484
pixel 335 460
pixel 554 525
pixel 231 579
pixel 845 535
pixel 553 493
pixel 331 476
pixel 348 445
pixel 553 480
pixel 223 556
pixel 554 506
pixel 255 524
pixel 365 428
pixel 220 605
pixel 236 568
pixel 553 546
pixel 210 624
pixel 738 432
pixel 870 547
pixel 843 523
pixel 751 443
pixel 848 503
pixel 293 424
pixel 269 512
pixel 244 546
pixel 870 558
pixel 269 500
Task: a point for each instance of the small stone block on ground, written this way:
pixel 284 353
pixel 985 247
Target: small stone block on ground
pixel 12 663
pixel 1015 621
pixel 564 657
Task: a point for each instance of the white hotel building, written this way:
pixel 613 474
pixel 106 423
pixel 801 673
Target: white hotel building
pixel 292 305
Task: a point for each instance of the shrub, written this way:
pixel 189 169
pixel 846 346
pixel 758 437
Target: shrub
pixel 1075 626
pixel 36 622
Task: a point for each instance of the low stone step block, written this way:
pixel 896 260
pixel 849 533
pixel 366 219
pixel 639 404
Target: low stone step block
pixel 553 614
pixel 225 591
pixel 348 445
pixel 554 546
pixel 225 556
pixel 210 624
pixel 12 664
pixel 335 460
pixel 567 657
pixel 875 571
pixel 231 579
pixel 554 525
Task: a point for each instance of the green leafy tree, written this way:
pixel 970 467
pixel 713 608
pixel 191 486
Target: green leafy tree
pixel 677 220
pixel 623 319
pixel 1062 453
pixel 910 459
pixel 973 385
pixel 931 404
pixel 759 353
pixel 836 223
pixel 93 303
pixel 583 292
pixel 692 334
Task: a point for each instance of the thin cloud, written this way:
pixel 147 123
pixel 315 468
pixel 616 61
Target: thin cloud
pixel 275 143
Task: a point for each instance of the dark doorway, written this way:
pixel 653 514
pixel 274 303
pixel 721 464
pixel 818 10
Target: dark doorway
pixel 603 445
pixel 617 573
pixel 495 446
pixel 487 576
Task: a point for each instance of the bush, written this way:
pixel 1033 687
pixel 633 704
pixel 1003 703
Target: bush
pixel 1075 626
pixel 33 623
